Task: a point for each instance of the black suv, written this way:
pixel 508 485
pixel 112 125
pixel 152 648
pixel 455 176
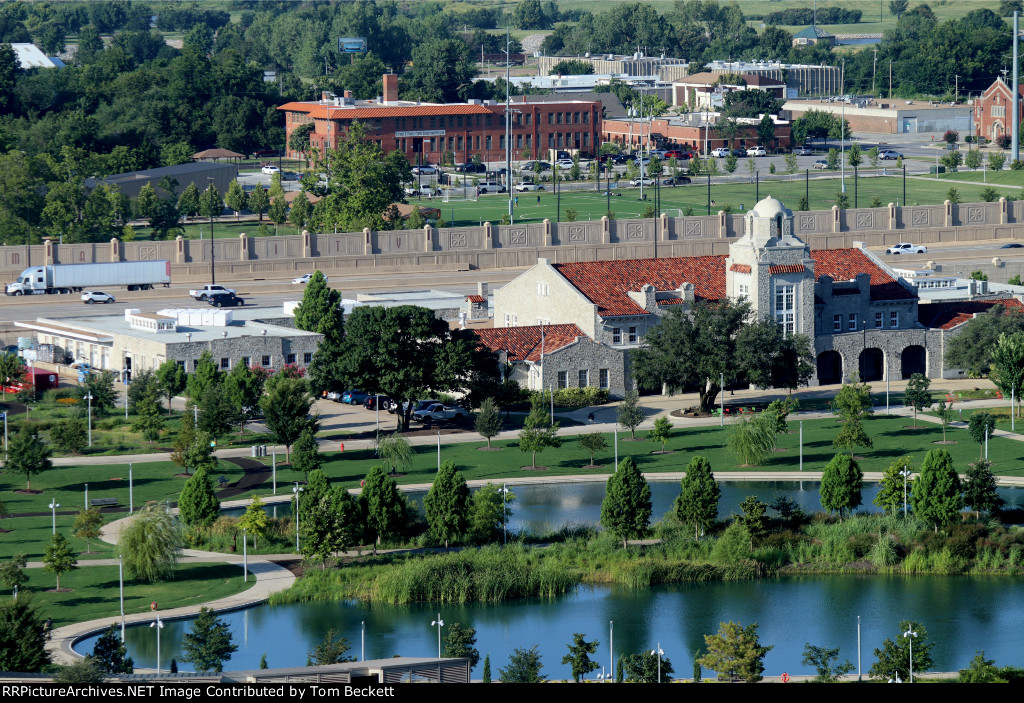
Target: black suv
pixel 224 300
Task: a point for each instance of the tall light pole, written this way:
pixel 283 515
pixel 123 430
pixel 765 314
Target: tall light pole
pixel 5 435
pixel 660 652
pixel 721 385
pixel 439 623
pixel 905 474
pixel 88 397
pixel 245 556
pixel 158 624
pixel 131 492
pixel 910 635
pixel 297 490
pixel 213 275
pixel 362 641
pixel 611 644
pixel 504 514
pixel 53 508
pixel 120 583
pixel 508 125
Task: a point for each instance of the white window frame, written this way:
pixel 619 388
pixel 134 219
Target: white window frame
pixel 785 308
pixel 837 323
pixel 851 323
pixel 603 379
pixel 583 378
pixel 616 335
pixel 878 319
pixel 562 380
pixel 634 334
pixel 894 318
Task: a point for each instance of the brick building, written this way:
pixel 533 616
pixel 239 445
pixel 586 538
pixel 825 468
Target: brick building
pixel 430 132
pixel 993 111
pixel 691 129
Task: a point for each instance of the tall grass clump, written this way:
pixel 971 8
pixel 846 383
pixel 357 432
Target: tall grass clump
pixel 884 554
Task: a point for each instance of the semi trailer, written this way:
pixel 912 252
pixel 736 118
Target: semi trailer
pixel 73 278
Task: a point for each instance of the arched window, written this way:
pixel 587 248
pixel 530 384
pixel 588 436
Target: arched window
pixel 778 225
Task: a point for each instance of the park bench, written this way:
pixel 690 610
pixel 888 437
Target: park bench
pixel 102 502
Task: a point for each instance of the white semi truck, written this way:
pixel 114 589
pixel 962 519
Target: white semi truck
pixel 72 278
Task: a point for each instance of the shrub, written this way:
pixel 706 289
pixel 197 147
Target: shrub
pixel 580 397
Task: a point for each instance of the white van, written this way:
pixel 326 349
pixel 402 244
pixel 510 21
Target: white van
pixel 490 187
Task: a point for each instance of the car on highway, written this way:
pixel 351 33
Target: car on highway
pixel 907 248
pixel 720 152
pixel 304 279
pixel 757 151
pixel 1013 245
pixel 270 169
pixel 95 296
pixel 224 300
pixel 889 154
pixel 353 397
pixel 424 169
pixel 641 181
pixel 820 163
pixel 803 150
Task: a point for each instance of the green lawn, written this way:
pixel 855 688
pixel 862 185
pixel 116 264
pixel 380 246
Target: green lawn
pixel 94 591
pixel 995 179
pixel 891 441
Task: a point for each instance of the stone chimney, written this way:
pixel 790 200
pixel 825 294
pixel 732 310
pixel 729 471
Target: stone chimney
pixel 390 88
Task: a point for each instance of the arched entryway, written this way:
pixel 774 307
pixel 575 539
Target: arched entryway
pixel 830 367
pixel 872 364
pixel 912 361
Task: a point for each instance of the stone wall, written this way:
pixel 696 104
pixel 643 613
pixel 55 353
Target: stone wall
pixel 500 246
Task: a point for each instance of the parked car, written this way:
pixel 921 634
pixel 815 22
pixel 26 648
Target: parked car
pixel 739 152
pixel 416 405
pixel 620 159
pixel 371 401
pixel 641 181
pixel 333 395
pixel 803 150
pixel 889 154
pixel 470 167
pixel 676 180
pixel 424 169
pixel 820 163
pixel 95 296
pixel 565 164
pixel 439 412
pixel 907 248
pixel 224 300
pixel 353 397
pixel 720 152
pixel 675 154
pixel 304 279
pixel 425 189
pixel 270 169
pixel 757 151
pixel 526 187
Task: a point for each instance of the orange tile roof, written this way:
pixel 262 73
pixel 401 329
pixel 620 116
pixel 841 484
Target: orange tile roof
pixel 607 283
pixel 524 343
pixel 475 298
pixel 786 268
pixel 946 316
pixel 374 112
pixel 740 268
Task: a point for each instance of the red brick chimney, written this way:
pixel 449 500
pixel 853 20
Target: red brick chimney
pixel 323 95
pixel 347 94
pixel 390 88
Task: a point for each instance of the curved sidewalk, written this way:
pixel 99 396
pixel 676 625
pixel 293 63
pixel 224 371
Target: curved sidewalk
pixel 270 578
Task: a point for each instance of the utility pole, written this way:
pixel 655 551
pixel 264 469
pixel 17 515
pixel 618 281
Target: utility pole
pixel 1015 121
pixel 956 87
pixel 874 67
pixel 890 79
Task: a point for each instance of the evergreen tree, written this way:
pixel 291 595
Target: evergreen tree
pixel 579 656
pixel 59 557
pixel 489 511
pixel 980 488
pixel 488 420
pixel 841 483
pixel 538 432
pixel 626 509
pixel 188 206
pixel 87 526
pixel 150 421
pixel 523 667
pixel 891 488
pixel 629 414
pixel 697 503
pixel 753 518
pixel 332 650
pixel 111 655
pixel 217 412
pixel 320 311
pixel 243 388
pixel 263 661
pixel 27 455
pixel 22 637
pixel 83 671
pixel 822 658
pixel 70 435
pixel 917 394
pixel 461 642
pixel 197 504
pixel 192 449
pixel 487 669
pixel 384 506
pixel 647 667
pixel 893 658
pixel 210 203
pixel 696 667
pixel 735 653
pixel 447 505
pixel 937 495
pixel 208 644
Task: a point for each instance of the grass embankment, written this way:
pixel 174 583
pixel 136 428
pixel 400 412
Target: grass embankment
pixel 863 544
pixel 94 591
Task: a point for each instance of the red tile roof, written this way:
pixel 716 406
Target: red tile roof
pixel 607 283
pixel 946 316
pixel 475 298
pixel 786 268
pixel 524 343
pixel 740 268
pixel 374 112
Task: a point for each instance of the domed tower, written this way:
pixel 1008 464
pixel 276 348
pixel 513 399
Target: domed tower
pixel 772 269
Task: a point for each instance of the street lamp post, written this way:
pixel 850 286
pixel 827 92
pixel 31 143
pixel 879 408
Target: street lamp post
pixel 362 641
pixel 611 645
pixel 120 583
pixel 245 556
pixel 213 275
pixel 5 435
pixel 721 386
pixel 131 492
pixel 88 397
pixel 910 635
pixel 905 474
pixel 53 508
pixel 159 625
pixel 87 496
pixel 297 490
pixel 504 514
pixel 439 623
pixel 659 651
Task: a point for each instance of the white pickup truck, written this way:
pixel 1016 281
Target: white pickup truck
pixel 204 292
pixel 439 412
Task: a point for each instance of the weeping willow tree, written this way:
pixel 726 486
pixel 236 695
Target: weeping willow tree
pixel 396 453
pixel 150 544
pixel 751 439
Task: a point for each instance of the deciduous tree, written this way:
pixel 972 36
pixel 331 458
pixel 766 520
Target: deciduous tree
pixel 629 413
pixel 853 404
pixel 27 455
pixel 488 420
pixel 333 649
pixel 593 442
pixel 893 658
pixel 384 506
pixel 824 661
pixel 286 407
pixel 461 642
pixel 87 526
pixel 662 431
pixel 150 543
pixel 891 493
pixel 523 667
pixel 980 487
pixel 320 311
pixel 538 432
pixel 171 380
pixel 255 521
pixel 647 667
pixel 59 558
pixel 917 394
